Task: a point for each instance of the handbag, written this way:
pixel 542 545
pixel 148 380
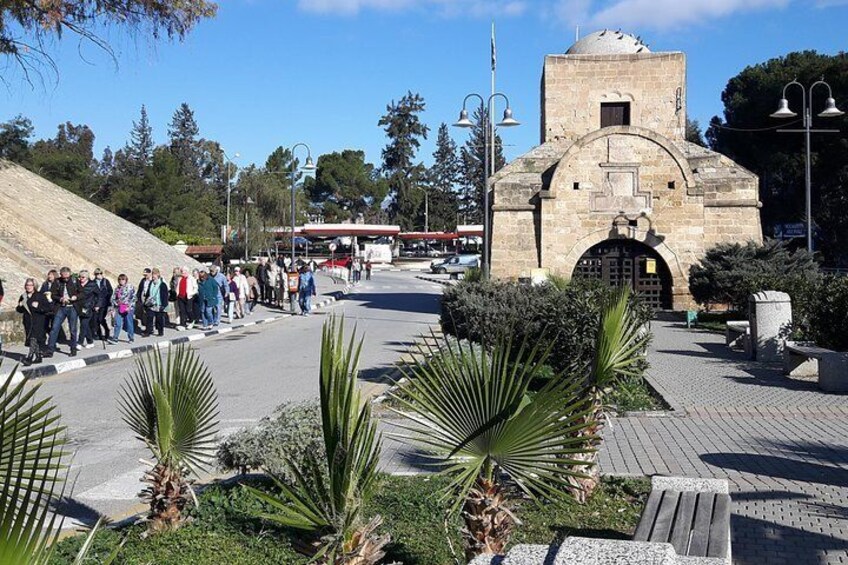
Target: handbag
pixel 123 309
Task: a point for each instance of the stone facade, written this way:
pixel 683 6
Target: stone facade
pixel 638 181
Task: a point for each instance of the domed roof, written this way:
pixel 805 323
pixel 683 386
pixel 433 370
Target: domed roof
pixel 608 42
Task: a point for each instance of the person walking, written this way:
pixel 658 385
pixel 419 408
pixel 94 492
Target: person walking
pixel 123 304
pixel 243 290
pixel 274 296
pixel 85 309
pixel 254 293
pixel 262 280
pixel 155 304
pixel 52 275
pixel 186 291
pixel 34 306
pixel 141 290
pixel 223 291
pixel 368 270
pixel 306 290
pixel 232 296
pixel 210 294
pixel 104 298
pixel 66 293
pixel 196 303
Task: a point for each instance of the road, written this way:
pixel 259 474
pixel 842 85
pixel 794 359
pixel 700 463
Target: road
pixel 254 371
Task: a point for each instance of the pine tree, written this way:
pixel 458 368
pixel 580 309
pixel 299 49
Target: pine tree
pixel 138 152
pixel 183 133
pixel 405 131
pixel 443 179
pixel 473 156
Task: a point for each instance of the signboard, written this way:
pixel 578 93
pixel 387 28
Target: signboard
pixel 790 231
pixel 293 279
pixel 651 266
pixel 378 252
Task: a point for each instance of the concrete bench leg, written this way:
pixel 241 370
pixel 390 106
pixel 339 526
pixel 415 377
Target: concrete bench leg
pixel 799 365
pixel 833 372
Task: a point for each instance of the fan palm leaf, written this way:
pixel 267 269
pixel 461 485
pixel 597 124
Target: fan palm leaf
pixel 172 406
pixel 326 498
pixel 470 410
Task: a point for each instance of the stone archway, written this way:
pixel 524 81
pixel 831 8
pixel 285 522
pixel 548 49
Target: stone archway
pixel 628 262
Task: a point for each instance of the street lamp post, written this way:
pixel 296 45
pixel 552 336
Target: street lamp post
pixel 308 166
pixel 228 162
pixel 830 111
pixel 489 138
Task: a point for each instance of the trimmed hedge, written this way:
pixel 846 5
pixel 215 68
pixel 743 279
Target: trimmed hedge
pixel 566 317
pixel 820 311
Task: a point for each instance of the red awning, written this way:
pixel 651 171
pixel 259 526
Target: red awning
pixel 428 236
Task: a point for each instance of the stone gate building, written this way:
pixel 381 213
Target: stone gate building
pixel 615 191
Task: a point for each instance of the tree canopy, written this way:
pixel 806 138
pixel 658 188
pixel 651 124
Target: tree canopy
pixel 748 135
pixel 346 187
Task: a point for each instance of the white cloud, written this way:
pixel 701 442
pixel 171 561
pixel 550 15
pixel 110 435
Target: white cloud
pixel 447 8
pixel 668 14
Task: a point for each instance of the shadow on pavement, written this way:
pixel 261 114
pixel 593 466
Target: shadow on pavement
pixel 400 302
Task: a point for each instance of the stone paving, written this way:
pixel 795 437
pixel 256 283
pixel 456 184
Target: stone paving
pixel 781 443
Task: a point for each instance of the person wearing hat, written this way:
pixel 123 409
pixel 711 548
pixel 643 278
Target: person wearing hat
pixel 104 300
pixel 141 289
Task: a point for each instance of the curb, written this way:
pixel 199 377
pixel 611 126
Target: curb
pixel 73 365
pixel 443 282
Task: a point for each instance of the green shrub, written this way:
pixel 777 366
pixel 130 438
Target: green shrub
pixel 820 312
pixel 730 272
pixel 566 317
pixel 293 430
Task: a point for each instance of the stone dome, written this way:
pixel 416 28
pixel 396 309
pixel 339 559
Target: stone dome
pixel 608 42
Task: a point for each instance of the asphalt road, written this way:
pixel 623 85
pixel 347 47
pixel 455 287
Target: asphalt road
pixel 254 371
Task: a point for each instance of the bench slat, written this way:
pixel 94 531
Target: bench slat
pixel 701 528
pixel 720 527
pixel 683 522
pixel 649 514
pixel 665 517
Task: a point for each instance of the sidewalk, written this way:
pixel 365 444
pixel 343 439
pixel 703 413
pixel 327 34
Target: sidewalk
pixel 781 443
pixel 61 362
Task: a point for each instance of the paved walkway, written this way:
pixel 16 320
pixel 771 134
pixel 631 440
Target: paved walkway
pixel 781 443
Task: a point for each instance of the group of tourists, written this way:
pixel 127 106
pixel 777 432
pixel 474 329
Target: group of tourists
pixel 356 266
pixel 191 298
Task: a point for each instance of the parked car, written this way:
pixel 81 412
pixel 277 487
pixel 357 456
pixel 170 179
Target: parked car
pixel 455 264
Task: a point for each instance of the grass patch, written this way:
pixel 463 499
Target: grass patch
pixel 224 531
pixel 635 395
pixel 716 321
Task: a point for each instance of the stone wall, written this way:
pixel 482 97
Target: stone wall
pixel 574 86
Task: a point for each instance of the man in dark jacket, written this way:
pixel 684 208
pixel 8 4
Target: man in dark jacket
pixel 262 279
pixel 65 293
pixel 104 300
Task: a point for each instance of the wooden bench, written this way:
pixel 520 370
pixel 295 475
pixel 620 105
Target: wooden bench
pixel 807 360
pixel 693 515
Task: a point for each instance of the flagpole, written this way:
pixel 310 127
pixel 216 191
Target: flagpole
pixel 491 119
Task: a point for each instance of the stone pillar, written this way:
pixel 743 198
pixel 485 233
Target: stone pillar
pixel 770 313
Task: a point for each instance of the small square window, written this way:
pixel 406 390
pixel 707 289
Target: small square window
pixel 671 184
pixel 576 186
pixel 633 223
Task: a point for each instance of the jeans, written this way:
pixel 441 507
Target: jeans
pixel 64 313
pixel 305 301
pixel 208 314
pixel 216 319
pixel 125 322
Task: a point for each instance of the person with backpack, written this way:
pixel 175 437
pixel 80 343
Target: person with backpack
pixel 306 289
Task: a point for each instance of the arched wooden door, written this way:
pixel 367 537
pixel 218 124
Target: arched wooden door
pixel 625 262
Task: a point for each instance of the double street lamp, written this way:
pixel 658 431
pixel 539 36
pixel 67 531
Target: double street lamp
pixel 488 145
pixel 308 166
pixel 830 111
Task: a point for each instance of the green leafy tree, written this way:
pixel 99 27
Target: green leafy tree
pixel 347 187
pixel 328 497
pixel 747 135
pixel 694 133
pixel 473 157
pixel 404 129
pixel 443 180
pixel 14 139
pixel 183 143
pixel 67 159
pixel 172 406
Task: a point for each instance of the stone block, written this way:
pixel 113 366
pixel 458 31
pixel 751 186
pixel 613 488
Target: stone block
pixel 833 372
pixel 771 323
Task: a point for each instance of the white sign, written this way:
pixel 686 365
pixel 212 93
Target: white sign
pixel 332 248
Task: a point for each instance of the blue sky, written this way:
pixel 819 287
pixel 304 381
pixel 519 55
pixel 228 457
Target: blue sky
pixel 265 73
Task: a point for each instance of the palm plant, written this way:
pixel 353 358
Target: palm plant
pixel 471 409
pixel 32 476
pixel 620 345
pixel 327 496
pixel 172 406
